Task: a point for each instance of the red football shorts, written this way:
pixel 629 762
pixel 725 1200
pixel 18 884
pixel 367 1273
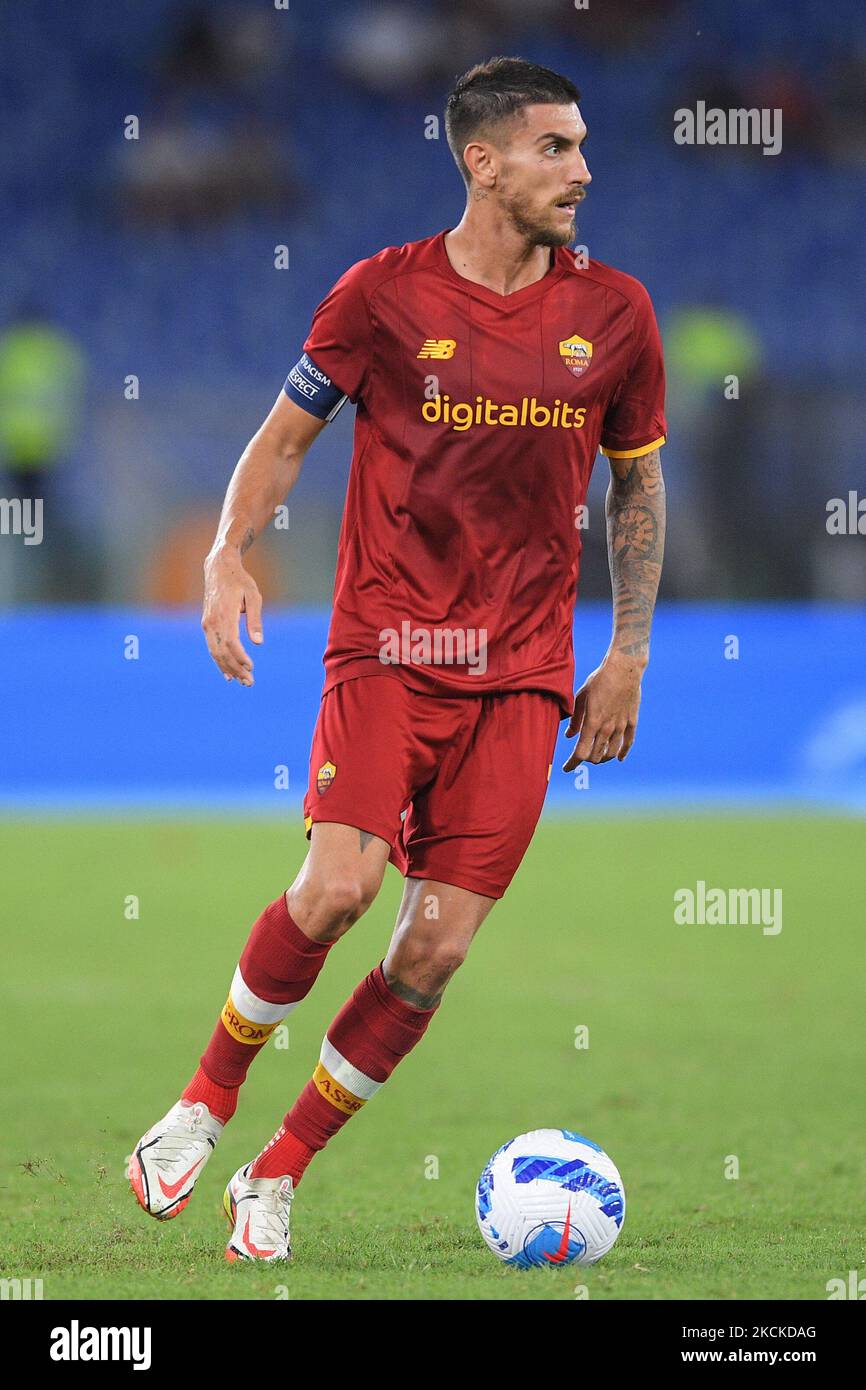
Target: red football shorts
pixel 454 785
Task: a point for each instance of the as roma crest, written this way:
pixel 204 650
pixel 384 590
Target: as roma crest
pixel 576 353
pixel 325 776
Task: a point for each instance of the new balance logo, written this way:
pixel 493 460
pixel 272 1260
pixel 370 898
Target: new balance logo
pixel 440 348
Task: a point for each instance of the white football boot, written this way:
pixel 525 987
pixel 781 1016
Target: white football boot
pixel 258 1213
pixel 170 1158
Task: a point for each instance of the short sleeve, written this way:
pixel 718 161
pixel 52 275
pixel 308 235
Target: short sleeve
pixel 634 422
pixel 339 337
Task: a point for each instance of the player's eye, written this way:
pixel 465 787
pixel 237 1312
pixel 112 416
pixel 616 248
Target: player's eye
pixel 555 146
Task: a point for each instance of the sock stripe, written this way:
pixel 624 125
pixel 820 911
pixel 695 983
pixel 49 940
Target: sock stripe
pixel 345 1074
pixel 334 1093
pixel 277 968
pixel 254 1008
pixel 375 1028
pixel 244 1030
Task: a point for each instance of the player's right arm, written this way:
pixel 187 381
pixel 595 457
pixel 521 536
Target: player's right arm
pixel 332 369
pixel 267 470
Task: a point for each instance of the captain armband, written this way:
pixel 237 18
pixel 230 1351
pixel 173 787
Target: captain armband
pixel 313 391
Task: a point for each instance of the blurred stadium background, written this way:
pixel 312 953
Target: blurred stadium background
pixel 145 330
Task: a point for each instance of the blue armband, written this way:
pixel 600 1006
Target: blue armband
pixel 309 388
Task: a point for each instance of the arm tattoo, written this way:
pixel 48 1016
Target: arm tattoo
pixel 247 540
pixel 635 511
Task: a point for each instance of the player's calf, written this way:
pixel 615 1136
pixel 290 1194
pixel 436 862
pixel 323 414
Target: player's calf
pixel 428 947
pixel 278 967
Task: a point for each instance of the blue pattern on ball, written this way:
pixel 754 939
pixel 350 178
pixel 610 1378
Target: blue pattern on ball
pixel 575 1175
pixel 581 1139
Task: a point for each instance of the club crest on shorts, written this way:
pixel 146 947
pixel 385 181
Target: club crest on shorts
pixel 576 353
pixel 325 776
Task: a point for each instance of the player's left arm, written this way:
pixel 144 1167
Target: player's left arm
pixel 606 706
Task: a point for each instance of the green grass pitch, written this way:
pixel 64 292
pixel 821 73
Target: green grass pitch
pixel 704 1042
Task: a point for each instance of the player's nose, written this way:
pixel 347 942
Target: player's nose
pixel 580 171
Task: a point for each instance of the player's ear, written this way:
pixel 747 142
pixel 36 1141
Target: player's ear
pixel 479 160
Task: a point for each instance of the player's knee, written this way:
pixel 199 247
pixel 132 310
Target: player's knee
pixel 428 968
pixel 325 908
pixel 342 900
pixel 446 962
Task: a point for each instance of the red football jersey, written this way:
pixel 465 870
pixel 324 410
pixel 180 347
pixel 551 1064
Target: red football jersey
pixel 479 418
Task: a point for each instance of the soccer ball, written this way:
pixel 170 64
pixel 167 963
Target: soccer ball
pixel 550 1197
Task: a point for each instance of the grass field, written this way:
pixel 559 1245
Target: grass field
pixel 705 1042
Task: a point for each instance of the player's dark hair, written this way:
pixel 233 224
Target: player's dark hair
pixel 495 91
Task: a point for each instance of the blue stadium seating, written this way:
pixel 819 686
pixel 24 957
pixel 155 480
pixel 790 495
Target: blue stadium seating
pixel 213 304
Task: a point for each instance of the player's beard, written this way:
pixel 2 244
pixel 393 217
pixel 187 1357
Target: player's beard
pixel 530 224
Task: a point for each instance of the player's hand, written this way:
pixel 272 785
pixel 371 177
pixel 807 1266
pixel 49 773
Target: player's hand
pixel 229 591
pixel 605 711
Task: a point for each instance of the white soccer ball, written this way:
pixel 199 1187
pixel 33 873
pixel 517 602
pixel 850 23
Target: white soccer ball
pixel 550 1197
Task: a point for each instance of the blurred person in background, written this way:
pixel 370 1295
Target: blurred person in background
pixel 194 169
pixel 208 151
pixel 395 50
pixel 229 49
pixel 42 383
pixel 777 86
pixel 617 25
pixel 844 100
pixel 707 345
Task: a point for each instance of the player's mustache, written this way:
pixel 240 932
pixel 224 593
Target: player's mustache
pixel 576 197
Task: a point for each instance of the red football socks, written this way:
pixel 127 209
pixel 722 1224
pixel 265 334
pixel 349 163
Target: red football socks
pixel 285 1153
pixel 371 1033
pixel 221 1101
pixel 278 968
